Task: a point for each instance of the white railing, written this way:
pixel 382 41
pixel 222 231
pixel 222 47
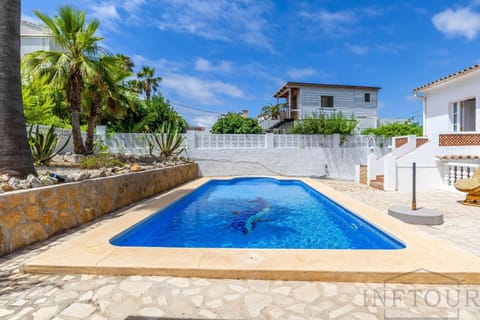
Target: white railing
pixel 302 141
pixel 127 143
pixel 267 124
pixel 366 141
pixel 453 171
pixel 230 141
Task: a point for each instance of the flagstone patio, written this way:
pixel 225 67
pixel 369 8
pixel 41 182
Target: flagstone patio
pixel 37 296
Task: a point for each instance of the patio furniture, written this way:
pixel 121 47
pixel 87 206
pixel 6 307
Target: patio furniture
pixel 472 187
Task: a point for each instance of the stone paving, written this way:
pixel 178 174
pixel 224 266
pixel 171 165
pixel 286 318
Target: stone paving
pixel 64 296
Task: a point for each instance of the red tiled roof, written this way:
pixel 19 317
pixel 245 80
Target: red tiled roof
pixel 447 78
pixel 458 157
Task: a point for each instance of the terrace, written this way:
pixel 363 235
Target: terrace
pixel 74 296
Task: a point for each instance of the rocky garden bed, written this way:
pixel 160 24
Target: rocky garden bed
pixel 71 168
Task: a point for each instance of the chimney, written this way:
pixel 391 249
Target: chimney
pixel 245 114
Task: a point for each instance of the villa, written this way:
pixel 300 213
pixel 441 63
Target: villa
pixel 35 37
pixel 450 148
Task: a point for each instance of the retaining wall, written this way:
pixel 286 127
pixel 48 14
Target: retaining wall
pixel 33 215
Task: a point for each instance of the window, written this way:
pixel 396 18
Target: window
pixel 367 97
pixel 326 101
pixel 455 117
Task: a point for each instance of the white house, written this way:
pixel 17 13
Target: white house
pixel 302 99
pixel 451 103
pixel 450 149
pixel 34 37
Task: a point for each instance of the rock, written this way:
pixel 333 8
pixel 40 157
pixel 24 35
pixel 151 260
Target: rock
pixel 48 181
pixel 34 181
pixel 81 176
pixel 15 183
pixel 6 187
pixel 24 184
pixel 99 174
pixel 73 158
pixel 135 168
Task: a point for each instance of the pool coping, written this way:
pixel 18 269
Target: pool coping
pixel 425 259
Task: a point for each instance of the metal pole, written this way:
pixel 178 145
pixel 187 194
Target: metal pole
pixel 414 182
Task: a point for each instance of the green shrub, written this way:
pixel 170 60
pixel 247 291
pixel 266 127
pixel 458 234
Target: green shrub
pixel 397 129
pixel 168 140
pixel 235 123
pixel 101 160
pixel 43 144
pixel 321 123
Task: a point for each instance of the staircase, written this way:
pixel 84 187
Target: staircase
pixel 378 182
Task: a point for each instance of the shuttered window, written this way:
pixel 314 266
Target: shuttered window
pixel 327 101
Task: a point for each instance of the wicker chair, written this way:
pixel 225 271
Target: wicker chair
pixel 472 187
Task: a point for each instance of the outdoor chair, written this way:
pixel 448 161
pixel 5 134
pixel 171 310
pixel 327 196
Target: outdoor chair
pixel 472 187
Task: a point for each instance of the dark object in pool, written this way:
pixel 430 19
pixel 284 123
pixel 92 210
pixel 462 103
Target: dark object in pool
pixel 245 221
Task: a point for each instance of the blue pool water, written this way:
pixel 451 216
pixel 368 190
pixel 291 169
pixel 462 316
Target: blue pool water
pixel 256 213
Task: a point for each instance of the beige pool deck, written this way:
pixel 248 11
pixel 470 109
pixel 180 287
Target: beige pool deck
pixel 425 259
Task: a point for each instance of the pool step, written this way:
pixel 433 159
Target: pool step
pixel 377 183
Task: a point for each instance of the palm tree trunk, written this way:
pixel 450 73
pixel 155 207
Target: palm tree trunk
pixel 15 155
pixel 92 120
pixel 74 99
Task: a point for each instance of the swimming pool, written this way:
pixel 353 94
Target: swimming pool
pixel 256 213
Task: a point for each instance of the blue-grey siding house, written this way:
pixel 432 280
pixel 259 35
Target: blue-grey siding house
pixel 302 99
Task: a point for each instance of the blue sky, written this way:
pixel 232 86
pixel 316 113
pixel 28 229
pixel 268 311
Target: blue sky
pixel 218 56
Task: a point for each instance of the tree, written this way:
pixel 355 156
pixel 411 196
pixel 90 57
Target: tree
pixel 43 103
pixel 397 129
pixel 15 155
pixel 235 123
pixel 272 111
pixel 147 82
pixel 105 90
pixel 145 117
pixel 68 69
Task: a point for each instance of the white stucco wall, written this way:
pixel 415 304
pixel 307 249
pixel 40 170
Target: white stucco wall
pixel 336 163
pixel 437 100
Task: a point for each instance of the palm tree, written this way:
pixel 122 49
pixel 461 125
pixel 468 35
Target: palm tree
pixel 147 82
pixel 272 111
pixel 68 68
pixel 15 154
pixel 106 90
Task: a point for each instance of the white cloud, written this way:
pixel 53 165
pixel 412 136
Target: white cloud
pixel 462 22
pixel 105 12
pixel 132 5
pixel 32 19
pixel 205 121
pixel 332 23
pixel 200 90
pixel 161 65
pixel 357 49
pixel 202 64
pixel 411 98
pixel 298 73
pixel 229 21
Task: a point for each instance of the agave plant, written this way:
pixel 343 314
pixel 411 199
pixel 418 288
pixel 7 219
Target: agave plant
pixel 44 144
pixel 168 141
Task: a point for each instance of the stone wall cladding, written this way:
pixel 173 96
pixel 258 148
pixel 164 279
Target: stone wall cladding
pixel 450 140
pixel 33 215
pixel 364 174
